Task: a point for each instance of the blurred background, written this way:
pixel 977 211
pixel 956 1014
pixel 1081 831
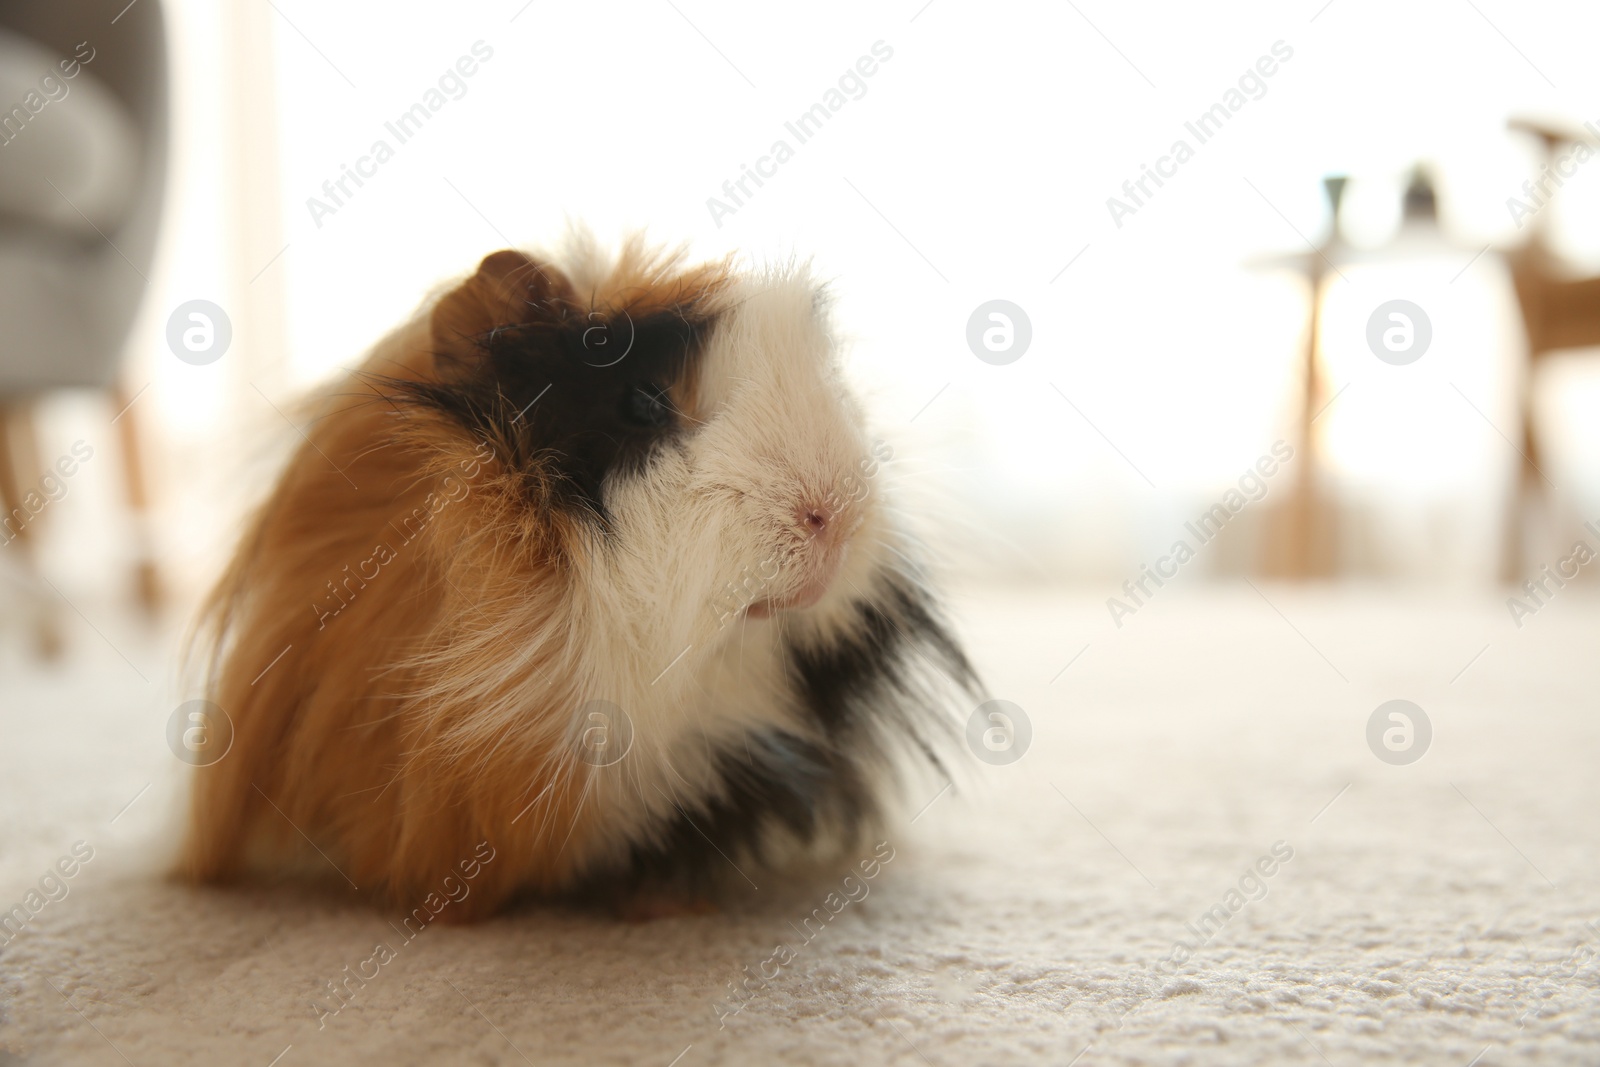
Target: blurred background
pixel 1199 222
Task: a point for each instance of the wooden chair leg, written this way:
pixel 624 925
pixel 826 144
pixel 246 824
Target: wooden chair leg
pixel 19 460
pixel 147 573
pixel 1522 507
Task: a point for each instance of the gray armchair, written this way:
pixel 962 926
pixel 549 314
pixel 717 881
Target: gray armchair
pixel 83 146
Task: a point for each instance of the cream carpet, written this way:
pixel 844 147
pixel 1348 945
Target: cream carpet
pixel 1441 912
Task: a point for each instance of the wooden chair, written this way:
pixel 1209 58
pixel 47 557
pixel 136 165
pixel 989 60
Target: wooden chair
pixel 1558 311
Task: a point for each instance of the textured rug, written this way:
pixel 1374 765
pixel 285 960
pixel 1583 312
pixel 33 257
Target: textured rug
pixel 1214 848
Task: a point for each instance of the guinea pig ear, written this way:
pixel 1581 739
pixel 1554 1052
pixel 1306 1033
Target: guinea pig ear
pixel 509 289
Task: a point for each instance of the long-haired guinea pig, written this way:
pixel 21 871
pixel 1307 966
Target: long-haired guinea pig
pixel 587 568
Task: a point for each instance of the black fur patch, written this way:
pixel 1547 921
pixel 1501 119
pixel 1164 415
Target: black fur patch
pixel 774 781
pixel 570 401
pixel 860 690
pixel 848 683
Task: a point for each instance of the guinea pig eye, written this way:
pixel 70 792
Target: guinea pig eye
pixel 646 406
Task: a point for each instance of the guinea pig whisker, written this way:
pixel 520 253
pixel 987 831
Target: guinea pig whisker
pixel 583 798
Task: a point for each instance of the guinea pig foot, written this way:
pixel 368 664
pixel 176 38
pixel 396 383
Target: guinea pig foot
pixel 648 905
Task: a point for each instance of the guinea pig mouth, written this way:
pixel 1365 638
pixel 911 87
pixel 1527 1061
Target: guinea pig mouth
pixel 818 581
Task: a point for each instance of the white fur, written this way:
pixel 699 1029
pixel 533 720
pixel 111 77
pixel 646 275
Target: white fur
pixel 650 630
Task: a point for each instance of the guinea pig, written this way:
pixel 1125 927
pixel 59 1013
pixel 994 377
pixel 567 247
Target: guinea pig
pixel 587 568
